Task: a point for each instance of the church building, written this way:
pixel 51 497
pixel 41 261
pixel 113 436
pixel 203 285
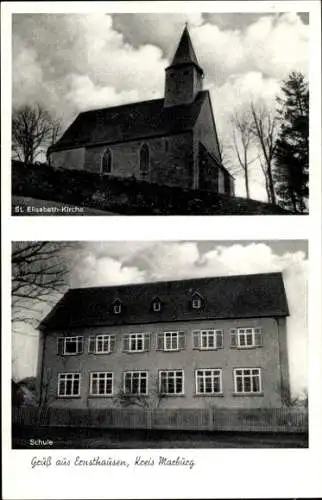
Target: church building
pixel 171 141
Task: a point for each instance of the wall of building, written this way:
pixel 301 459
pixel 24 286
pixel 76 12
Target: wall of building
pixel 170 159
pixel 208 170
pixel 205 130
pixel 72 159
pixel 210 177
pixel 284 362
pixel 181 85
pixel 268 357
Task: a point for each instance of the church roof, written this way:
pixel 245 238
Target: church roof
pixel 128 122
pixel 185 53
pixel 225 297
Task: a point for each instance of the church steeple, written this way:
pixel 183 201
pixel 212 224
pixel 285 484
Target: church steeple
pixel 184 75
pixel 185 53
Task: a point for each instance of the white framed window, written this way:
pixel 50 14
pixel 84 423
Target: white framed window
pixel 244 338
pixel 136 342
pixel 171 382
pixel 101 384
pixel 247 380
pixel 196 303
pixel 157 306
pixel 117 308
pixel 101 344
pixel 171 341
pixel 69 346
pixel 208 339
pixel 69 385
pixel 209 381
pixel 136 382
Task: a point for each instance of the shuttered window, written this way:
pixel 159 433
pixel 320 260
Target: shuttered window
pixel 208 339
pixel 136 342
pixel 171 341
pixel 69 346
pixel 101 344
pixel 244 338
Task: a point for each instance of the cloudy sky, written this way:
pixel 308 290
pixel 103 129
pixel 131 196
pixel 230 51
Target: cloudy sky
pixel 72 62
pixel 102 263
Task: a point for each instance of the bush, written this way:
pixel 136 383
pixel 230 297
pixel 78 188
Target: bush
pixel 127 195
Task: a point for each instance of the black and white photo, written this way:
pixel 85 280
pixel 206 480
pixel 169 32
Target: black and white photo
pixel 161 249
pixel 168 114
pixel 162 344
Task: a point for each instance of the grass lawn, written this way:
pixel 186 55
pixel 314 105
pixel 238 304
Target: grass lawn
pixel 71 438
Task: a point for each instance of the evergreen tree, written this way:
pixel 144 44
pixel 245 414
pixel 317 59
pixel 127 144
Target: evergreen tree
pixel 292 144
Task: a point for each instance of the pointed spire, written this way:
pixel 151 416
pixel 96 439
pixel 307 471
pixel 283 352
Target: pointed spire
pixel 185 53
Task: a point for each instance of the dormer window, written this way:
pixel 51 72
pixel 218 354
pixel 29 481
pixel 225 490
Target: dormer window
pixel 196 303
pixel 157 306
pixel 117 307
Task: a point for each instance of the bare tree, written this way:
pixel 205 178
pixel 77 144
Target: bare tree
pixel 242 141
pixel 224 152
pixel 55 131
pixel 39 275
pixel 151 401
pixel 33 130
pixel 265 125
pixel 264 171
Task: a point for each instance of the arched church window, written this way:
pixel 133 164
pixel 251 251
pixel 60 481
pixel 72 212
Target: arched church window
pixel 106 163
pixel 144 161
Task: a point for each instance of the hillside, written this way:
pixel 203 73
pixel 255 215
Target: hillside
pixel 85 193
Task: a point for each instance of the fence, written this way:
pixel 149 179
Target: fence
pixel 256 420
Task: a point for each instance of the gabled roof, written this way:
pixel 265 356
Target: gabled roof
pixel 138 120
pixel 245 296
pixel 185 53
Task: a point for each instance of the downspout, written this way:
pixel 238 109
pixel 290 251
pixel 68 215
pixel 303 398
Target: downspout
pixel 284 391
pixel 42 366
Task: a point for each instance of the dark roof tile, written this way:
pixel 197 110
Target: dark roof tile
pixel 129 122
pixel 185 53
pixel 244 296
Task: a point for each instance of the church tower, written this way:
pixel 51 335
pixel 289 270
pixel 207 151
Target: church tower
pixel 184 76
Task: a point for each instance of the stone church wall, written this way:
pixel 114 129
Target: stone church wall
pixel 179 86
pixel 170 159
pixel 72 159
pixel 205 132
pixel 209 176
